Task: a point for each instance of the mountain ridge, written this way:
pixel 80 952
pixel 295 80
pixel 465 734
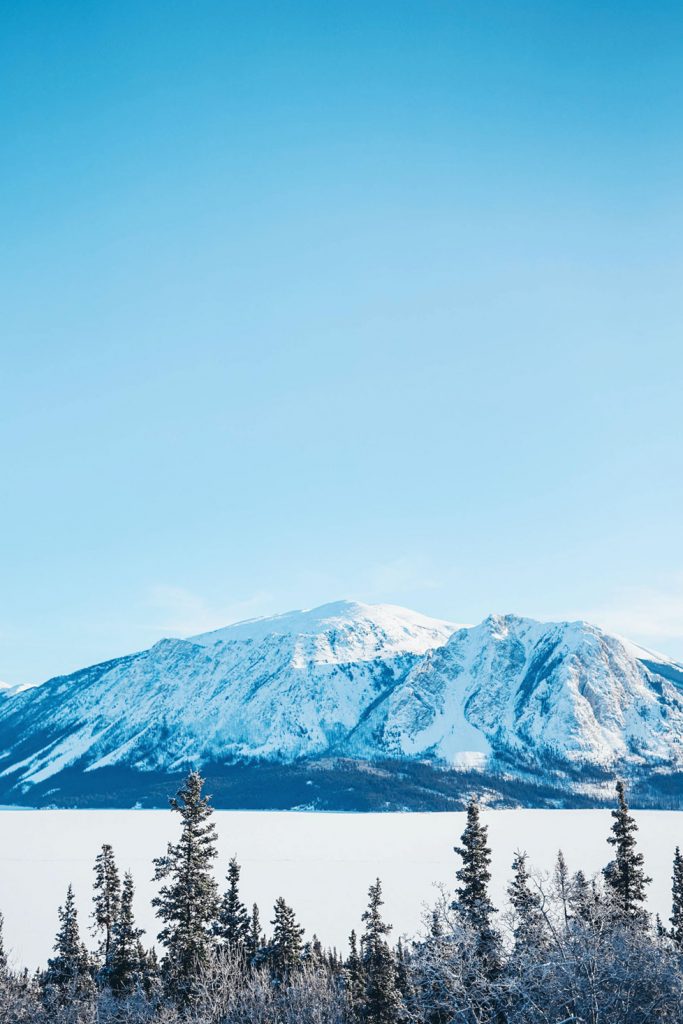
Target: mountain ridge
pixel 561 704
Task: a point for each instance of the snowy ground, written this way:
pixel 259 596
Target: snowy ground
pixel 321 863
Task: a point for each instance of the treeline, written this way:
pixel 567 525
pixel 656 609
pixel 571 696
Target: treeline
pixel 567 949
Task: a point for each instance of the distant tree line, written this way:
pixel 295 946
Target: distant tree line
pixel 567 949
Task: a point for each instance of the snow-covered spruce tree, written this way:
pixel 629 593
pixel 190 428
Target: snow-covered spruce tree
pixel 286 945
pixel 528 921
pixel 382 1003
pixel 354 977
pixel 582 896
pixel 253 946
pixel 402 970
pixel 125 969
pixel 187 903
pixel 562 888
pixel 149 968
pixel 232 924
pixel 70 969
pixel 313 953
pixel 676 918
pixel 472 902
pixel 106 899
pixel 624 876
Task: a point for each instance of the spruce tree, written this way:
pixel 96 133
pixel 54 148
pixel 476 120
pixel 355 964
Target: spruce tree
pixel 149 969
pixel 582 897
pixel 286 945
pixel 472 902
pixel 529 928
pixel 188 901
pixel 625 876
pixel 313 952
pixel 254 941
pixel 353 972
pixel 232 925
pixel 381 1000
pixel 563 887
pixel 106 898
pixel 70 968
pixel 676 918
pixel 402 972
pixel 125 964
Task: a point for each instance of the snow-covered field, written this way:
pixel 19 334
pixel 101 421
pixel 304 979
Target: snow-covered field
pixel 321 863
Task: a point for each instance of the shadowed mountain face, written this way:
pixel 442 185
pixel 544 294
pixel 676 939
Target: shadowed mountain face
pixel 559 705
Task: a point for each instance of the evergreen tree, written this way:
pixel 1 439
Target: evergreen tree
pixel 472 902
pixel 563 887
pixel 125 964
pixel 188 901
pixel 149 969
pixel 353 970
pixel 676 918
pixel 335 962
pixel 313 952
pixel 624 876
pixel 382 1001
pixel 402 972
pixel 286 946
pixel 254 941
pixel 529 928
pixel 70 968
pixel 582 897
pixel 106 898
pixel 232 925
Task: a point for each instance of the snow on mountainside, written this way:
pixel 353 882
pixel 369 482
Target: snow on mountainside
pixel 561 694
pixel 385 627
pixel 284 687
pixel 370 682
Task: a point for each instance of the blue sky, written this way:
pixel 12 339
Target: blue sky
pixel 303 301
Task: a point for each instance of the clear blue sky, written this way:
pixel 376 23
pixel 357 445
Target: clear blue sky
pixel 303 301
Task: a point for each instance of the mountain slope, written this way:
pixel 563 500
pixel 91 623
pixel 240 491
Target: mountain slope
pixel 280 688
pixel 511 698
pixel 549 695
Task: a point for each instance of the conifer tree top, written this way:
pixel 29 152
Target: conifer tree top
pixel 474 875
pixel 625 875
pixel 187 903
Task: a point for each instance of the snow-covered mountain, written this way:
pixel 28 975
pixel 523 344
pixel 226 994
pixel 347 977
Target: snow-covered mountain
pixel 284 687
pixel 558 694
pixel 374 683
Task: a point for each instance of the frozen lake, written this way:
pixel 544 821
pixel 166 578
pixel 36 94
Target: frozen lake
pixel 321 863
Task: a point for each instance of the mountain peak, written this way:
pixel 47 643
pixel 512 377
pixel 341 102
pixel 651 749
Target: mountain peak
pixel 392 620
